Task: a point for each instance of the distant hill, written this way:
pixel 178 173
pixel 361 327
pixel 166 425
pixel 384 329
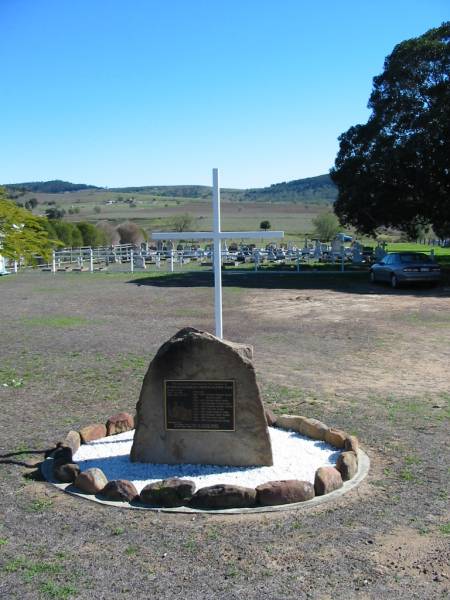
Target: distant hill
pixel 311 189
pixel 55 186
pixel 173 191
pixel 318 189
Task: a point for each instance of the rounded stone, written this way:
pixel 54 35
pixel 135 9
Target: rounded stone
pixel 62 455
pixel 285 491
pixel 119 423
pixel 335 437
pixel 92 432
pixel 120 490
pixel 224 496
pixel 326 480
pixel 271 417
pixel 72 441
pixel 66 473
pixel 351 443
pixel 310 427
pixel 347 465
pixel 91 481
pixel 168 493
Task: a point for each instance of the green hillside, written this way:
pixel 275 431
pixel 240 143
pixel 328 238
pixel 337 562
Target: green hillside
pixel 56 186
pixel 312 189
pixel 318 190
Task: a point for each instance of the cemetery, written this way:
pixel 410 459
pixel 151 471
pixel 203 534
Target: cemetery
pixel 235 391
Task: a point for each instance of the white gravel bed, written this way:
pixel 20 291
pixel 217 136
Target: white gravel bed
pixel 295 457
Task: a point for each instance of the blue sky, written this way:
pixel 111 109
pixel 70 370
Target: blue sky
pixel 149 92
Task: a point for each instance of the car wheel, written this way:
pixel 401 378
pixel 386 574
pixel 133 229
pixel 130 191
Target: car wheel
pixel 372 277
pixel 394 281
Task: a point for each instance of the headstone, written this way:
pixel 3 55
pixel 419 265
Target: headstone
pixel 200 403
pixel 139 262
pixel 357 256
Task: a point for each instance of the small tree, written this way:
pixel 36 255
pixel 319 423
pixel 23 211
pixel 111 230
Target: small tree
pixel 326 226
pixel 31 203
pixel 55 213
pixel 184 222
pixel 68 233
pixel 265 225
pixel 130 233
pixel 22 235
pixel 91 235
pixel 111 234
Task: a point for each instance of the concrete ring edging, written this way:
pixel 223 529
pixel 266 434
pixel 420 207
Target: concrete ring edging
pixel 363 469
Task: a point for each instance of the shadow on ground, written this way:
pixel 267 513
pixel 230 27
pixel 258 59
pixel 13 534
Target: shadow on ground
pixel 347 282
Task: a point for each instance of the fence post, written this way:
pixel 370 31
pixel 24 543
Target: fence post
pixel 132 261
pixel 53 262
pixel 171 260
pixel 91 260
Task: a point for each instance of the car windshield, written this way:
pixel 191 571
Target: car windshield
pixel 414 257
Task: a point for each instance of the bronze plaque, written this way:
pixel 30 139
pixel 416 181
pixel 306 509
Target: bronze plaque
pixel 200 405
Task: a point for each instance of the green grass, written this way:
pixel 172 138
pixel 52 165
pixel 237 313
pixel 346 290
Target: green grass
pixel 413 247
pixel 55 321
pixel 40 505
pixel 50 589
pixel 30 568
pixel 10 378
pixel 445 528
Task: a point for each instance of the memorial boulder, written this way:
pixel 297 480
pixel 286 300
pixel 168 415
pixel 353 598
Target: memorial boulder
pixel 200 403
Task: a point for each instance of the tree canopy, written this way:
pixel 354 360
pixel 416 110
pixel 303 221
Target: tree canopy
pixel 22 235
pixel 326 226
pixel 394 171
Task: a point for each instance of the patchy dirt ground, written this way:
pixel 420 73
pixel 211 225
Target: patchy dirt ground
pixel 74 350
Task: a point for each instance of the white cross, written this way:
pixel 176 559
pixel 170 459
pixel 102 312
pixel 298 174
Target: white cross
pixel 216 235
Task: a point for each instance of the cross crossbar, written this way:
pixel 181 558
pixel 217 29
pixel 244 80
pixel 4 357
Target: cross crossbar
pixel 216 235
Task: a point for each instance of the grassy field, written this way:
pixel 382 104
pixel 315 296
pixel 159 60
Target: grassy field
pixel 365 358
pixel 154 213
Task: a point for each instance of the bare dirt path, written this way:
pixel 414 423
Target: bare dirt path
pixel 74 350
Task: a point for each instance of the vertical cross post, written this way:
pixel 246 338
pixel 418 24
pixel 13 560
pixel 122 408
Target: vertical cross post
pixel 217 256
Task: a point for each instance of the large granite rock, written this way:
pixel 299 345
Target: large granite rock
pixel 188 437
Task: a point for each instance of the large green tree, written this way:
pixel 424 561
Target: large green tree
pixel 22 235
pixel 394 171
